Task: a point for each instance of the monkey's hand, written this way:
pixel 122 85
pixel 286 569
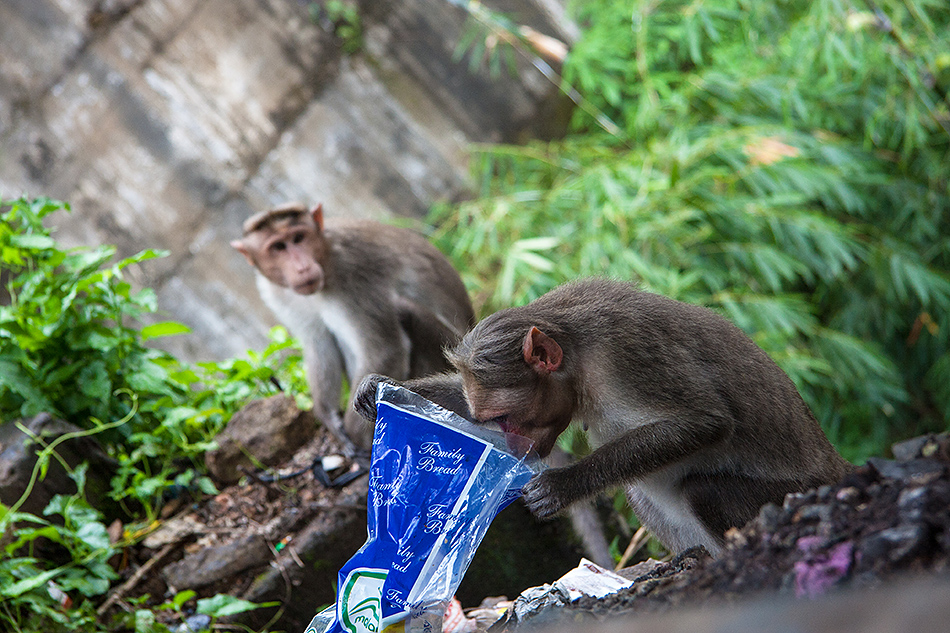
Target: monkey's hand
pixel 365 399
pixel 544 494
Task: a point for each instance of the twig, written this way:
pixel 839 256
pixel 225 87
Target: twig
pixel 639 539
pixel 134 579
pixel 293 554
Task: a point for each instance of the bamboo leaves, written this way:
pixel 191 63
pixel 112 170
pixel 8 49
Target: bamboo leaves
pixel 784 163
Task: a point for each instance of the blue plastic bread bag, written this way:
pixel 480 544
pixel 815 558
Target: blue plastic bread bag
pixel 436 482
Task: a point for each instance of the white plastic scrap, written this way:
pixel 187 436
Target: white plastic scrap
pixel 590 579
pixel 587 579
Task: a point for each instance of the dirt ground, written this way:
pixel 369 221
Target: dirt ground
pixel 887 520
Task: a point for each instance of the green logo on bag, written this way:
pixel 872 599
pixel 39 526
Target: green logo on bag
pixel 361 608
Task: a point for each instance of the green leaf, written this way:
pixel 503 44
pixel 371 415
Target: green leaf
pixel 223 605
pixel 149 377
pixel 30 584
pixel 180 598
pixel 94 381
pixel 35 242
pixel 166 328
pixel 13 377
pixel 144 621
pixel 94 535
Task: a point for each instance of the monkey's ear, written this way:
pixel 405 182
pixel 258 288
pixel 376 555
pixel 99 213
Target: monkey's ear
pixel 242 248
pixel 317 214
pixel 541 351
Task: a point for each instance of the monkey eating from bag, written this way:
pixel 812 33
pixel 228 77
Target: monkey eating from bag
pixel 686 411
pixel 362 297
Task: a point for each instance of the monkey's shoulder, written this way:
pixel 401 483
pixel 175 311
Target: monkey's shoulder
pixel 388 251
pixel 355 231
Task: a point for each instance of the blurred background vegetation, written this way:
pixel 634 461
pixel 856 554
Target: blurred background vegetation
pixel 786 163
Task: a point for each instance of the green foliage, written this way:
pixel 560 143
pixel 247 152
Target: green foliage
pixel 489 38
pixel 784 163
pixel 34 589
pixel 343 17
pixel 71 345
pixel 64 345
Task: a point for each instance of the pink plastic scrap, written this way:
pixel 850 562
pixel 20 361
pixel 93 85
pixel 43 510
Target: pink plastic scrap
pixel 820 569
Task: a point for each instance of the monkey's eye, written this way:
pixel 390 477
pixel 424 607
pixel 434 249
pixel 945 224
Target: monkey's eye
pixel 298 238
pixel 278 246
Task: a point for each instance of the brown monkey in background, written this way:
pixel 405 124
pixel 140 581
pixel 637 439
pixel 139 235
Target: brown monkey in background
pixel 361 297
pixel 698 423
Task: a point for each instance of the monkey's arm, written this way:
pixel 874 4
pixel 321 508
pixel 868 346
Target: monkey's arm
pixel 442 389
pixel 637 452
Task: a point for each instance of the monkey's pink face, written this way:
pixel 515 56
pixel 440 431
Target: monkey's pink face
pixel 540 414
pixel 293 257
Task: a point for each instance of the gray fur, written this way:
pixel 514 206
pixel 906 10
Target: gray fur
pixel 685 410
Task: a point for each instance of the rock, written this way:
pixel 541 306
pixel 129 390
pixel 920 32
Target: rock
pixel 18 456
pixel 821 567
pixel 195 624
pixel 769 517
pixel 914 471
pixel 894 546
pixel 211 563
pixel 848 494
pixel 820 513
pixel 912 504
pixel 270 430
pixel 641 569
pixel 930 446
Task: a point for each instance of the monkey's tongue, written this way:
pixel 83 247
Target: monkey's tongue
pixel 507 427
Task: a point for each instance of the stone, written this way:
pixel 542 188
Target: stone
pixel 849 494
pixel 894 545
pixel 929 446
pixel 269 430
pixel 209 564
pixel 912 504
pixel 18 455
pixel 769 517
pixel 914 471
pixel 820 513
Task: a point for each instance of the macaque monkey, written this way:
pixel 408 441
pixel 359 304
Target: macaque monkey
pixel 361 296
pixel 698 423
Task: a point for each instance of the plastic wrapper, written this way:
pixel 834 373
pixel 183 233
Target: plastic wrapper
pixel 436 482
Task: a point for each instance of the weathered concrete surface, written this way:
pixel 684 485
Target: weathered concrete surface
pixel 166 122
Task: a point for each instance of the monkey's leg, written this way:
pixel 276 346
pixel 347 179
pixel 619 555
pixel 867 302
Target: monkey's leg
pixel 429 335
pixel 722 500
